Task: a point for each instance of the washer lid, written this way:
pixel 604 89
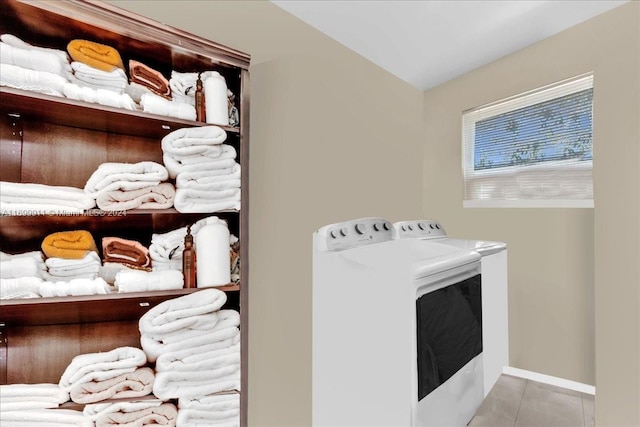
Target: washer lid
pixel 483 247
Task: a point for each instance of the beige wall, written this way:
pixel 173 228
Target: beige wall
pixel 332 138
pixel 573 273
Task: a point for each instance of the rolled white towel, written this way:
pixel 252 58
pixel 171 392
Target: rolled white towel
pixel 99 96
pixel 155 104
pixel 31 80
pixel 143 281
pixel 151 197
pixel 134 384
pixel 112 176
pixel 102 366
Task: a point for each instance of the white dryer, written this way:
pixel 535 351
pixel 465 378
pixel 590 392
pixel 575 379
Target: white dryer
pixel 397 329
pixel 495 323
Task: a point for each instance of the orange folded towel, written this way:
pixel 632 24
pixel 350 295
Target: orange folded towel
pixel 128 252
pixel 74 244
pixel 97 55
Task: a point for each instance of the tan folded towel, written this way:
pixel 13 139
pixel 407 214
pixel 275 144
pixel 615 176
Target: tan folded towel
pixel 74 244
pixel 128 252
pixel 97 55
pixel 163 415
pixel 148 77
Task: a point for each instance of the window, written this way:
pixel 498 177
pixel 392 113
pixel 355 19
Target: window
pixel 531 150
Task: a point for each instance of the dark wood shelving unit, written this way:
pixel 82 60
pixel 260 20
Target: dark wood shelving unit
pixel 60 142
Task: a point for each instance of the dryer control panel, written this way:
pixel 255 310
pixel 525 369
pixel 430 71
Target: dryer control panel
pixel 424 228
pixel 353 233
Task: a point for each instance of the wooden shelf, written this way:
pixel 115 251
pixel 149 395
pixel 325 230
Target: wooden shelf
pixel 90 308
pixel 34 106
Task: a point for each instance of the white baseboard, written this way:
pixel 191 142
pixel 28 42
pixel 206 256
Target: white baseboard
pixel 548 379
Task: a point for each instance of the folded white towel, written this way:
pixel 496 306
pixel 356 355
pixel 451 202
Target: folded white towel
pixel 108 271
pixel 87 267
pixel 189 200
pixel 199 417
pixel 155 104
pixel 224 159
pixel 168 315
pixel 99 96
pixel 151 197
pixel 62 55
pixel 95 410
pixel 190 384
pixel 44 418
pixel 116 79
pixel 143 281
pixel 199 179
pixel 135 91
pixel 184 84
pixel 19 288
pixel 138 383
pixel 15 268
pixel 194 140
pixel 32 59
pixel 31 396
pixel 102 366
pixel 125 176
pixel 211 359
pixel 213 402
pixel 35 195
pixel 224 331
pixel 162 415
pixel 34 81
pixel 74 287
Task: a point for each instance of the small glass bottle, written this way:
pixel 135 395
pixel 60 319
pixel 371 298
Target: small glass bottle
pixel 200 101
pixel 189 261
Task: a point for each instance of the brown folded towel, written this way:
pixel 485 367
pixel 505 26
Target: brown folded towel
pixel 149 78
pixel 128 252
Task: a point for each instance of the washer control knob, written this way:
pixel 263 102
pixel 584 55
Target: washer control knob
pixel 360 228
pixel 431 226
pixel 420 226
pixel 377 227
pixel 410 227
pixel 344 231
pixel 386 226
pixel 437 226
pixel 333 234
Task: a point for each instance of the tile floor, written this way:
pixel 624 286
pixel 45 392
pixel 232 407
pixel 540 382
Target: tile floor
pixel 518 402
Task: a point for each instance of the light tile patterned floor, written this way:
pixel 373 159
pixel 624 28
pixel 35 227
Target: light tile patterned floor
pixel 518 402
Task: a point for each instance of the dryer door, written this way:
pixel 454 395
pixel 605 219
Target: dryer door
pixel 448 347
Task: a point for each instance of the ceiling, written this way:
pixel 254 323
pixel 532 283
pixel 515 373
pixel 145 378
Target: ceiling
pixel 427 42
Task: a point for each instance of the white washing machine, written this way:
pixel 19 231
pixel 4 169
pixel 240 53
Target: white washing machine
pixel 397 329
pixel 495 321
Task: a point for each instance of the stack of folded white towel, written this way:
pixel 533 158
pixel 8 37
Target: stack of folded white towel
pixel 45 417
pixel 206 172
pixel 183 85
pixel 28 199
pixel 68 269
pixel 33 68
pixel 195 345
pixel 124 186
pixel 213 410
pixel 85 75
pixel 148 412
pixel 119 373
pixel 21 397
pixel 21 274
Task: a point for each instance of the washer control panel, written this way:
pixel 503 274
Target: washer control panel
pixel 354 233
pixel 424 228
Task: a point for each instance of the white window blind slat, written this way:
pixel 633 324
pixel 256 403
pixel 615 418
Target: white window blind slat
pixel 534 149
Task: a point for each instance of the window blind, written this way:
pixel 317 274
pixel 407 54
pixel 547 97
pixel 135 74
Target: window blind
pixel 531 150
